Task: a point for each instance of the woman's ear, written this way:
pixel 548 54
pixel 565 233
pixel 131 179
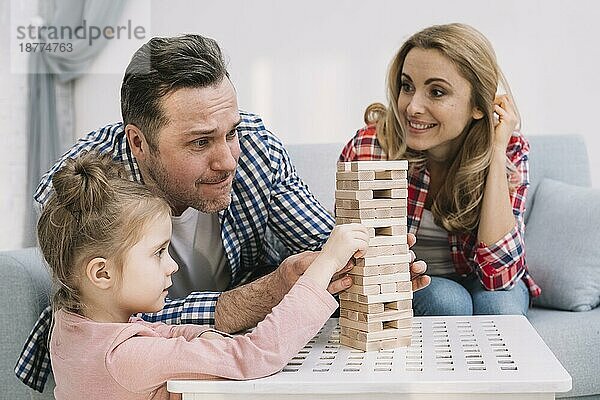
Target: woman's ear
pixel 477 113
pixel 99 273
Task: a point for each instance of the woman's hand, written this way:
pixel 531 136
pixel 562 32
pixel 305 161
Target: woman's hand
pixel 417 268
pixel 507 121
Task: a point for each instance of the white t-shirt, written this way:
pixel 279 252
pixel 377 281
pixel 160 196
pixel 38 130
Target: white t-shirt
pixel 432 246
pixel 197 248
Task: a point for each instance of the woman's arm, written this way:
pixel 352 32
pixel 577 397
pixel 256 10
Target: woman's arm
pixel 496 218
pixel 500 254
pixel 502 262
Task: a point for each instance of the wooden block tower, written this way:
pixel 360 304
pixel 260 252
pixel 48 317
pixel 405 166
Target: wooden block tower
pixel 376 312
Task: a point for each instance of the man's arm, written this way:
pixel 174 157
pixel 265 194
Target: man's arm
pixel 245 306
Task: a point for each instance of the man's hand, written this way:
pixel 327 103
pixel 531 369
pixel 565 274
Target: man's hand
pixel 245 306
pixel 294 266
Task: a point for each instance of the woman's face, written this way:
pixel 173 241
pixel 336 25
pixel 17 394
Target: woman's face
pixel 434 103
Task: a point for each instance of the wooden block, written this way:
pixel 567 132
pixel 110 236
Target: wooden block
pixel 395 230
pixel 387 287
pixel 382 260
pixel 361 308
pixel 349 332
pixel 384 230
pixel 386 333
pixel 369 203
pixel 372 185
pixel 379 279
pixel 368 336
pixel 378 165
pixel 386 250
pixel 369 289
pixel 376 223
pixel 354 194
pixel 362 326
pixel 343 166
pixel 391 174
pixel 390 212
pixel 387 315
pixel 355 344
pixel 393 212
pixel 390 194
pixel 387 240
pixel 376 298
pixel 370 213
pixel 380 269
pixel 399 305
pixel 357 176
pixel 349 314
pixel 404 323
pixel 375 346
pixel 404 286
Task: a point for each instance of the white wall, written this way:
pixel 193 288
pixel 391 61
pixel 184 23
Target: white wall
pixel 13 161
pixel 310 67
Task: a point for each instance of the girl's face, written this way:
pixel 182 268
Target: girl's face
pixel 434 103
pixel 147 270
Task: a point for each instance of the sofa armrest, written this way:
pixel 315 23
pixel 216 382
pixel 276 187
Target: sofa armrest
pixel 24 293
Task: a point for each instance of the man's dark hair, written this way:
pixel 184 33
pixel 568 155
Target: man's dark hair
pixel 160 67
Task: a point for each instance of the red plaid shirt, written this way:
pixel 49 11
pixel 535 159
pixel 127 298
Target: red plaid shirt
pixel 498 266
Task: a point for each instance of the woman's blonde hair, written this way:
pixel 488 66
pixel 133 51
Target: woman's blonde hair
pixel 457 205
pixel 93 212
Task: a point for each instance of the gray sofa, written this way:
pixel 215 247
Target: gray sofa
pixel 574 337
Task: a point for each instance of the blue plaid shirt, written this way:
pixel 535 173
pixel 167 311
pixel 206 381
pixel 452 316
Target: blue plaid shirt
pixel 267 194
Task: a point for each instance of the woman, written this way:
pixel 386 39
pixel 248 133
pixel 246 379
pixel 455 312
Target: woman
pixel 469 171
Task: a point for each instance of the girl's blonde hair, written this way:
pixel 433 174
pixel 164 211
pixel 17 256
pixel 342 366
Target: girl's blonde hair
pixel 457 205
pixel 93 212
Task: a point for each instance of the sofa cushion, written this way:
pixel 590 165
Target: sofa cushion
pixel 562 241
pixel 560 157
pixel 574 339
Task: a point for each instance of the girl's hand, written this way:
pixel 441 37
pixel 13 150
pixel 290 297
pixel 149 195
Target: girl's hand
pixel 507 121
pixel 344 242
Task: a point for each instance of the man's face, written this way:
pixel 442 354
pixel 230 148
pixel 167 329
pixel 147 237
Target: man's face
pixel 198 148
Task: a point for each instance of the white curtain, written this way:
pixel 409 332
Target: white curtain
pixel 50 97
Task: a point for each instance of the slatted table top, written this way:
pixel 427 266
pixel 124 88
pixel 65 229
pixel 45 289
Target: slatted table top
pixel 477 354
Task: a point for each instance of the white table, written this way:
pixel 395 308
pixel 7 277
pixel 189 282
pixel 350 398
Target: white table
pixel 450 358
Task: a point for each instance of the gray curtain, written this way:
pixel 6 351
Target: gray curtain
pixel 47 69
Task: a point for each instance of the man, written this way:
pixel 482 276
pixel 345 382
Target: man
pixel 228 180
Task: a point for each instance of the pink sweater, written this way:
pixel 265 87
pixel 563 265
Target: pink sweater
pixel 95 360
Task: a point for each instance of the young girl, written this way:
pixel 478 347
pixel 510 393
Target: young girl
pixel 106 240
pixel 468 177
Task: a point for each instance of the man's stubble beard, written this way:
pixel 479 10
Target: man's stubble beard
pixel 178 199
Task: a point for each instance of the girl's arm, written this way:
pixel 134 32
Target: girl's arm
pixel 143 364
